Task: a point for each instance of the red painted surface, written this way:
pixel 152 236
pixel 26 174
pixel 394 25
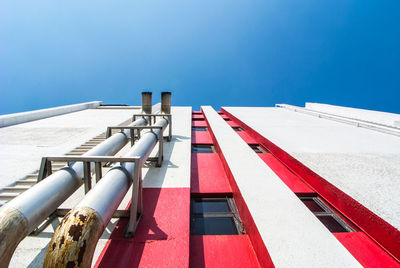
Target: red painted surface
pixel 208 174
pixel 246 137
pixel 374 226
pixel 222 251
pixel 366 251
pixel 162 237
pixel 259 247
pixel 233 124
pixel 201 137
pixel 224 116
pixel 197 116
pixel 199 123
pixel 292 181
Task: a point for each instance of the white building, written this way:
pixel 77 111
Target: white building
pixel 280 186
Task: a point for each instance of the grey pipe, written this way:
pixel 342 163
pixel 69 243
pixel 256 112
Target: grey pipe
pixel 166 102
pixel 94 212
pixel 146 102
pixel 24 213
pixel 70 248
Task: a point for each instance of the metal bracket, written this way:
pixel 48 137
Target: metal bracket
pixel 135 211
pixel 87 161
pixel 160 138
pixel 168 117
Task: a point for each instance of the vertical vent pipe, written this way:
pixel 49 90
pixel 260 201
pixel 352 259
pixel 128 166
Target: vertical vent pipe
pixel 93 213
pixel 166 102
pixel 24 213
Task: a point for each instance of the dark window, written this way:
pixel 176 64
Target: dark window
pixel 199 128
pixel 328 217
pixel 215 216
pixel 227 119
pixel 258 148
pixel 198 119
pixel 203 148
pixel 237 129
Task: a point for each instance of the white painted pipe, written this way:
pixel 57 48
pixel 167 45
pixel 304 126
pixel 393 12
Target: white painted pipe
pixel 24 213
pixel 75 248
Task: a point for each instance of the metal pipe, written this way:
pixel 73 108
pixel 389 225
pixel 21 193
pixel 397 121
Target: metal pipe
pixel 166 102
pixel 146 102
pixel 75 239
pixel 24 213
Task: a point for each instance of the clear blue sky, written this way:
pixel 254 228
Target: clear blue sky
pixel 224 52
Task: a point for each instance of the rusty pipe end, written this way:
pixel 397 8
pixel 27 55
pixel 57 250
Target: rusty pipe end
pixel 166 102
pixel 13 228
pixel 75 239
pixel 146 102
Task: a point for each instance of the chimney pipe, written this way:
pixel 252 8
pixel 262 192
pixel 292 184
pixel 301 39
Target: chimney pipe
pixel 146 102
pixel 166 102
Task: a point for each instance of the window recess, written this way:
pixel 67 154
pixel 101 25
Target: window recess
pixel 199 129
pixel 238 129
pixel 215 216
pixel 258 148
pixel 198 119
pixel 328 217
pixel 203 148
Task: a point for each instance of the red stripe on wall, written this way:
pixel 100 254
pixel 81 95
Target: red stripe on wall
pixel 201 137
pixel 208 175
pixel 378 229
pixel 221 251
pixel 292 181
pixel 162 236
pixel 368 253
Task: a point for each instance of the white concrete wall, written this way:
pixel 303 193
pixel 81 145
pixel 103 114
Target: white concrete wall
pixel 18 118
pixel 363 163
pixel 294 237
pixel 388 119
pixel 175 171
pixel 22 146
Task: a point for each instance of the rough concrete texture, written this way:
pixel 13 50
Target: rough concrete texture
pixel 294 237
pixel 363 163
pixel 22 146
pixel 388 119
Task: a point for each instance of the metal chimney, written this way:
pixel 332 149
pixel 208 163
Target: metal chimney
pixel 146 102
pixel 166 102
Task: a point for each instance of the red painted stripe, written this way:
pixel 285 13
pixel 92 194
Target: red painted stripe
pixel 221 251
pixel 246 137
pixel 366 251
pixel 162 237
pixel 199 123
pixel 374 226
pixel 208 175
pixel 197 116
pixel 233 124
pixel 259 247
pixel 201 137
pixel 292 181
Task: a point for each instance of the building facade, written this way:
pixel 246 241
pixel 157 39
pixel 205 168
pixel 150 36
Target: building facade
pixel 280 186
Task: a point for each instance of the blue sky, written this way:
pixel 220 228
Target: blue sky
pixel 229 53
